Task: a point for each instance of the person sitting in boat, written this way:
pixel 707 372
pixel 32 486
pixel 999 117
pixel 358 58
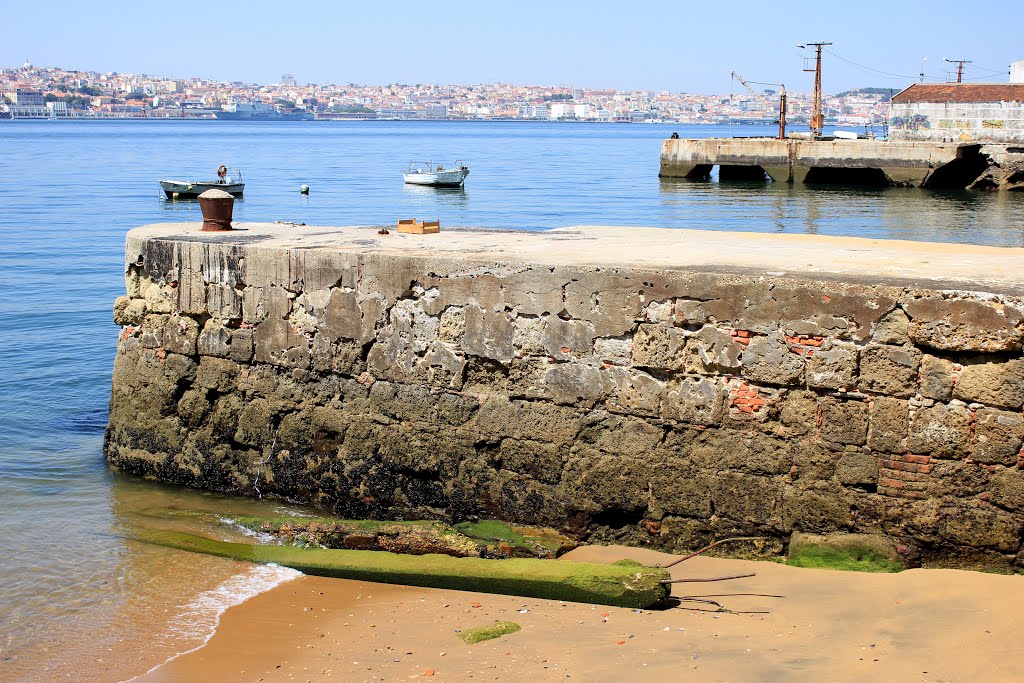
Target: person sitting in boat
pixel 222 175
pixel 675 136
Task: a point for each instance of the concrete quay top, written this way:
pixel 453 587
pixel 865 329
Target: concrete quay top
pixel 846 259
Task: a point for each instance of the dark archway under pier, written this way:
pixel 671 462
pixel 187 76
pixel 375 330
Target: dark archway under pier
pixel 729 172
pixel 864 177
pixel 961 172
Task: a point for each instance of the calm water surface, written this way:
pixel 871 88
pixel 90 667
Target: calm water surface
pixel 75 596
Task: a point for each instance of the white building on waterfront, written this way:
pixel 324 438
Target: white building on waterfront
pixel 952 112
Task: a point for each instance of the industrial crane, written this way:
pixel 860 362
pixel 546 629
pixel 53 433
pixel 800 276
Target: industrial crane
pixel 782 100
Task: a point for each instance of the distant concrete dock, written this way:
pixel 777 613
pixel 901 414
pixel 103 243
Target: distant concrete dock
pixel 860 162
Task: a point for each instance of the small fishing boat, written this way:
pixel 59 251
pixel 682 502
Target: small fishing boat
pixel 426 173
pixel 190 189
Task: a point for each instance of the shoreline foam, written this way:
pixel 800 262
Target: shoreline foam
pixel 203 614
pixel 922 624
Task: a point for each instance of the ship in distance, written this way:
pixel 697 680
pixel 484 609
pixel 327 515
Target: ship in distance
pixel 260 111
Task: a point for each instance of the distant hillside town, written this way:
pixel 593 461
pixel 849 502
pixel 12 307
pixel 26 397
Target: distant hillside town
pixel 48 92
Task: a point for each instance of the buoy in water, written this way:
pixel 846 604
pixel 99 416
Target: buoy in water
pixel 304 189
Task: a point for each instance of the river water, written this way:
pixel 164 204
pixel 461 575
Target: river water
pixel 80 602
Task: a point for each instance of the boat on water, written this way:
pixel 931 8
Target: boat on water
pixel 426 173
pixel 260 111
pixel 227 180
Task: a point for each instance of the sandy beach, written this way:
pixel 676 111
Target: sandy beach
pixel 923 624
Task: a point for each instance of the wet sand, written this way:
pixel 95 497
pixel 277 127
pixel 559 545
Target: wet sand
pixel 928 625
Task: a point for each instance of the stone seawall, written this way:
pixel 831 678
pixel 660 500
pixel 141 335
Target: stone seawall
pixel 661 387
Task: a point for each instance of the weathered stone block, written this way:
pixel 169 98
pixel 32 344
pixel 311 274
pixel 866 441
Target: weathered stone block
pixel 255 424
pixel 814 460
pixel 799 412
pixel 527 336
pixel 193 407
pixel 242 345
pixel 180 335
pixel 964 325
pixel 612 303
pixel 214 340
pixel 712 351
pixel 732 449
pixel 217 374
pixel 223 302
pixel 695 400
pixel 613 350
pixel 151 333
pixel 619 434
pixel 890 425
pixel 1007 487
pixel 996 384
pixel 346 317
pixel 816 511
pixel 161 298
pixel 936 378
pixel 999 436
pixel 893 328
pixel 634 392
pixel 943 431
pixel 596 483
pixel 746 499
pixel 844 421
pixel 980 526
pixel 689 313
pixel 956 478
pixel 571 383
pixel 857 468
pixel 568 339
pixel 768 360
pixel 659 347
pixel 542 461
pixel 890 370
pixel 833 366
pixel 276 342
pixel 133 313
pixel 499 417
pixel 121 304
pixel 452 325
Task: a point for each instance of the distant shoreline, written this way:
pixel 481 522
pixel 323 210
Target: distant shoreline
pixel 105 119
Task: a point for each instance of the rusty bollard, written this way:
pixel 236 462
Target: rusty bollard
pixel 217 206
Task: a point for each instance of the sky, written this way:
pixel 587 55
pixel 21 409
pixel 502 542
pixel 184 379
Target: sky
pixel 677 46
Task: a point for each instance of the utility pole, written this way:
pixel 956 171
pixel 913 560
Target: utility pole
pixel 959 68
pixel 817 116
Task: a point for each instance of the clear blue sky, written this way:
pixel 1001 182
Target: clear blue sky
pixel 679 46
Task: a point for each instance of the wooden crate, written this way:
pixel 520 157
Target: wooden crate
pixel 413 226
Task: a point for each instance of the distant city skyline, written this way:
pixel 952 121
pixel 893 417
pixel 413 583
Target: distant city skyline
pixel 652 46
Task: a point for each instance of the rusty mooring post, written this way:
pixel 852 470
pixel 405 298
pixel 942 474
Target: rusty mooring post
pixel 217 207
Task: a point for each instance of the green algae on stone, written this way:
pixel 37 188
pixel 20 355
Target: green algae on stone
pixel 504 539
pixel 843 551
pixel 495 630
pixel 421 537
pixel 616 585
pixel 849 558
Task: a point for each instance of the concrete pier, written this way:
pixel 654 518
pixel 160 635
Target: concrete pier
pixel 649 386
pixel 915 164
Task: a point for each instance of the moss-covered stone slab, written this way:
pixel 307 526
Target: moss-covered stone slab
pixel 849 552
pixel 421 537
pixel 500 539
pixel 496 630
pixel 622 585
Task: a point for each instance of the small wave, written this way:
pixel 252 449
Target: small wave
pixel 260 536
pixel 200 617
